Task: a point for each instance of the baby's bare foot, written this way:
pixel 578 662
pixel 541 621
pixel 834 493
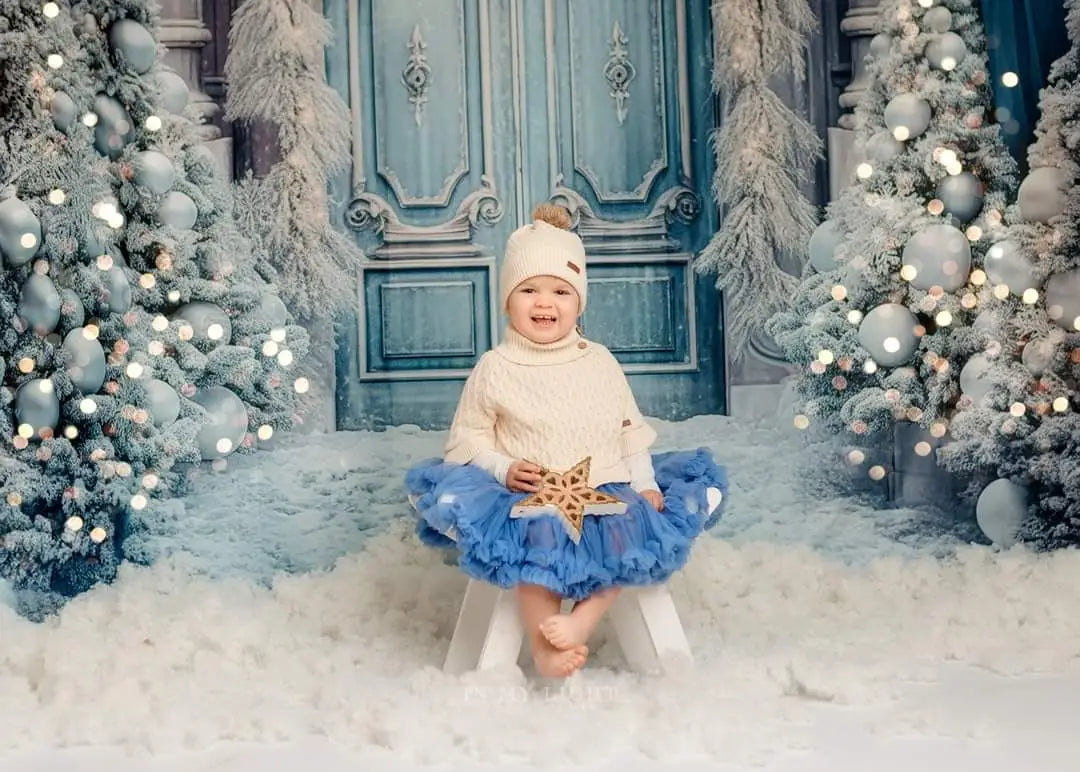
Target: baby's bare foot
pixel 565 631
pixel 554 663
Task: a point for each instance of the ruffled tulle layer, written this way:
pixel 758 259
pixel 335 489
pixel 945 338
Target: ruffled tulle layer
pixel 462 507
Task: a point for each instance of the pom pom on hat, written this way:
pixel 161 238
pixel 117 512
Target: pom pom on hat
pixel 544 247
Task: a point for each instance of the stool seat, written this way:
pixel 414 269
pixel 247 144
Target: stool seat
pixel 489 632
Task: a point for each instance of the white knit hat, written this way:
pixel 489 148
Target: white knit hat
pixel 543 249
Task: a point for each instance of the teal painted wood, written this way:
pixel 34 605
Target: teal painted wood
pixel 468 112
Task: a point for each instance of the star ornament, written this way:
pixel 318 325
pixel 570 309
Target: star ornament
pixel 567 496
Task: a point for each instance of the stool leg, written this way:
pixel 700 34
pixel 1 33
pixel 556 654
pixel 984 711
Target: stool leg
pixel 648 628
pixel 488 632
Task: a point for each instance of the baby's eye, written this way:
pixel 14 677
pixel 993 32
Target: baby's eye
pixel 528 290
pixel 562 292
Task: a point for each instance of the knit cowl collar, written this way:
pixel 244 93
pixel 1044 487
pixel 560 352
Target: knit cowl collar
pixel 519 349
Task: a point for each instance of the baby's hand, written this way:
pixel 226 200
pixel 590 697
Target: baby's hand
pixel 655 498
pixel 523 476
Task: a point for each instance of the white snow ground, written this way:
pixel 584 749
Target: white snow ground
pixel 291 617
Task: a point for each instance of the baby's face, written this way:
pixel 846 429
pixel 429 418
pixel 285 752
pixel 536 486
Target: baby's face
pixel 543 308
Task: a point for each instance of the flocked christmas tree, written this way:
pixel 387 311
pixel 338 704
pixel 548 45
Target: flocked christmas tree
pixel 1019 437
pixel 141 341
pixel 882 324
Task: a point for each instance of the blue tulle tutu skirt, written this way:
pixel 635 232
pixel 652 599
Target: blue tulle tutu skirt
pixel 462 507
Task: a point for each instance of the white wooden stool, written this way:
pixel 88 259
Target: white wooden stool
pixel 489 633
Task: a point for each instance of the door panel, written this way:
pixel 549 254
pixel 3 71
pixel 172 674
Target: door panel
pixel 467 113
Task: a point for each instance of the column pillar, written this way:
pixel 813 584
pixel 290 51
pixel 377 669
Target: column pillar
pixel 184 34
pixel 858 25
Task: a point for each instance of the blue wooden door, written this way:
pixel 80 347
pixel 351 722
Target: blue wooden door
pixel 466 114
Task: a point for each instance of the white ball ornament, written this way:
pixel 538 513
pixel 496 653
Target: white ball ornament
pixel 938 19
pixel 975 380
pixel 1042 194
pixel 178 210
pixel 823 244
pixel 907 116
pixel 162 401
pixel 888 334
pixel 1063 299
pixel 226 422
pixel 134 43
pixel 117 297
pixel 20 232
pixel 883 147
pixel 1001 510
pixel 946 51
pixel 86 364
pixel 1007 264
pixel 962 194
pixel 941 256
pixel 880 45
pixel 39 304
pixel 272 310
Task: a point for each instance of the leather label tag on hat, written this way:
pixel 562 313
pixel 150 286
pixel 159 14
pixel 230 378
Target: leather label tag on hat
pixel 573 267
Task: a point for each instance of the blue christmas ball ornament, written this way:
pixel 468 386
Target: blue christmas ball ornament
pixel 210 324
pixel 178 210
pixel 888 334
pixel 162 401
pixel 1001 511
pixel 20 232
pixel 226 422
pixel 86 360
pixel 117 298
pixel 173 91
pixel 941 257
pixel 39 304
pixel 962 194
pixel 154 171
pixel 975 380
pixel 907 116
pixel 37 406
pixel 272 310
pixel 946 51
pixel 134 44
pixel 72 310
pixel 823 245
pixel 64 111
pixel 114 128
pixel 1007 264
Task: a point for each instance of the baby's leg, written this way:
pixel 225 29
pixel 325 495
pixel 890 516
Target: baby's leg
pixel 565 631
pixel 537 604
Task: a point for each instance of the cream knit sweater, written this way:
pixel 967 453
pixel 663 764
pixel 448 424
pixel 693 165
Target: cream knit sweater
pixel 552 404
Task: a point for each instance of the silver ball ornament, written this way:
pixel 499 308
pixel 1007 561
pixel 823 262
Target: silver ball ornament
pixel 938 19
pixel 1001 510
pixel 178 210
pixel 36 405
pixel 225 424
pixel 880 45
pixel 823 244
pixel 117 298
pixel 883 147
pixel 20 232
pixel 1038 355
pixel 64 111
pixel 975 380
pixel 907 116
pixel 154 171
pixel 946 51
pixel 208 321
pixel 114 128
pixel 134 43
pixel 1006 264
pixel 888 334
pixel 962 194
pixel 1063 299
pixel 174 92
pixel 940 255
pixel 1042 194
pixel 86 365
pixel 39 304
pixel 162 401
pixel 272 310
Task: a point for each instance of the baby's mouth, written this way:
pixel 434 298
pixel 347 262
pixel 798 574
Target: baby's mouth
pixel 544 320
